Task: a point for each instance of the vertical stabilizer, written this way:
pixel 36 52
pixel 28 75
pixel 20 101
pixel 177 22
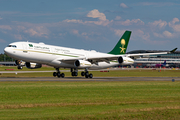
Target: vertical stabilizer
pixel 164 62
pixel 122 44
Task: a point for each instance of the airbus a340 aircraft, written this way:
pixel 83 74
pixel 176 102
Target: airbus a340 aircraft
pixel 36 54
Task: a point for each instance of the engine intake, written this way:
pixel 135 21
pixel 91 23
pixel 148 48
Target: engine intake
pixel 18 62
pixel 33 65
pixel 77 63
pixel 120 60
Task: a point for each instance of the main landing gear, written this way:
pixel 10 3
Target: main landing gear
pixel 74 72
pixel 86 74
pixel 58 74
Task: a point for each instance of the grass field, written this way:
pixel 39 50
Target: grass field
pixel 90 100
pixel 111 73
pixel 6 68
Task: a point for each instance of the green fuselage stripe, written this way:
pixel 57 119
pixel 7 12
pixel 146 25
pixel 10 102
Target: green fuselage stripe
pixel 47 53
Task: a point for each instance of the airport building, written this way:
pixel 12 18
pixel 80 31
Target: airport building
pixel 8 63
pixel 172 59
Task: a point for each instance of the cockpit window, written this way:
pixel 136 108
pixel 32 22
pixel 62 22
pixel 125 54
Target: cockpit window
pixel 12 46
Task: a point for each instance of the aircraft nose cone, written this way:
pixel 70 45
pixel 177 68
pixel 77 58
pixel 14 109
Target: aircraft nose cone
pixel 6 50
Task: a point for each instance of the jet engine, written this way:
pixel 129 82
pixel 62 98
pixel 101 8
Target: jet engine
pixel 18 62
pixel 125 60
pixel 120 60
pixel 82 63
pixel 33 65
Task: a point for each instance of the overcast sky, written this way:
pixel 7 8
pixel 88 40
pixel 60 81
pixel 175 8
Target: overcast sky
pixel 91 24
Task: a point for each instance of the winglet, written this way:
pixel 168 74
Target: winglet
pixel 172 51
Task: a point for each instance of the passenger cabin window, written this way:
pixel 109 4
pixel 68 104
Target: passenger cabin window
pixel 14 46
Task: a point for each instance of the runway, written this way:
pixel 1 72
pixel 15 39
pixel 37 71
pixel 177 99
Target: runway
pixel 100 79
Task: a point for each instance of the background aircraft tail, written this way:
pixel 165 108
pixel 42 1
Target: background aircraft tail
pixel 122 44
pixel 164 62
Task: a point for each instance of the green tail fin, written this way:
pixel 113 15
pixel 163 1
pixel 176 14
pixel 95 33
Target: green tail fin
pixel 122 44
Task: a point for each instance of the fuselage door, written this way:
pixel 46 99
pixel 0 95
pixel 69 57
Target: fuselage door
pixel 24 48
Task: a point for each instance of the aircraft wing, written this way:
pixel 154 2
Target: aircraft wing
pixel 103 59
pixel 146 54
pixel 110 57
pixel 93 60
pixel 115 57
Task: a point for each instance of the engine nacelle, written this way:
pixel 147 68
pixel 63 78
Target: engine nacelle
pixel 120 60
pixel 33 65
pixel 125 60
pixel 18 62
pixel 82 63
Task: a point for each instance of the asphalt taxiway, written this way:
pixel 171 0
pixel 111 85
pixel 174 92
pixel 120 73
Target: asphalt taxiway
pixel 76 79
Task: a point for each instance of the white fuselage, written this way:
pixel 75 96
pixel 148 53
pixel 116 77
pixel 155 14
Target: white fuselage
pixel 59 56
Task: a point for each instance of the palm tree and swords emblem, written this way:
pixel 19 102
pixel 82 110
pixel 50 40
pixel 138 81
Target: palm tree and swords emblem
pixel 122 48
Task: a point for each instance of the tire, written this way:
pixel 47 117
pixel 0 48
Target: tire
pixel 62 75
pixel 75 74
pixel 90 75
pixel 86 76
pixel 54 74
pixel 72 73
pixel 19 67
pixel 86 73
pixel 58 74
pixel 82 73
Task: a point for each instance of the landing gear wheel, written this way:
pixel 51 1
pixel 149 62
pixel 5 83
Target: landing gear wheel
pixel 54 74
pixel 82 73
pixel 74 74
pixel 62 75
pixel 86 76
pixel 58 74
pixel 19 67
pixel 90 75
pixel 86 73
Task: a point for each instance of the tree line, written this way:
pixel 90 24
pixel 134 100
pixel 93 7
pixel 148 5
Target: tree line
pixel 4 57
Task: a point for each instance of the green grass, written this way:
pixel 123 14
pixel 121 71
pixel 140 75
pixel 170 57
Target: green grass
pixel 6 68
pixel 111 73
pixel 138 73
pixel 90 100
